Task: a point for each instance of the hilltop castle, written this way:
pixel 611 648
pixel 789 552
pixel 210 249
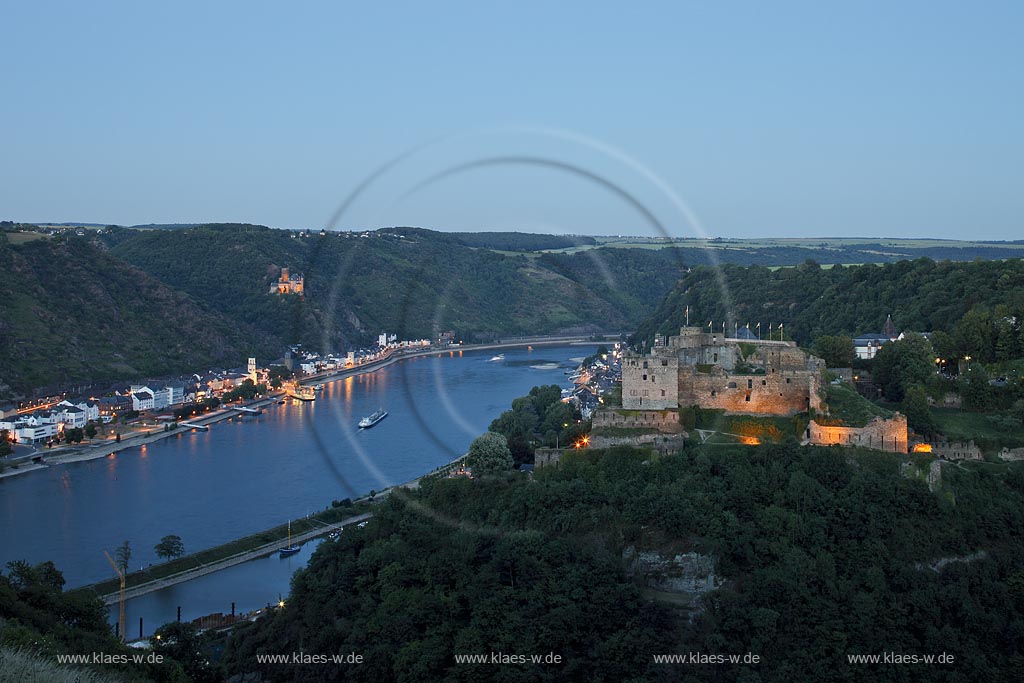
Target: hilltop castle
pixel 288 284
pixel 742 376
pixel 753 376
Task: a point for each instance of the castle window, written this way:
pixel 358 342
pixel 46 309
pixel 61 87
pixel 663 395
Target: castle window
pixel 645 377
pixel 645 367
pixel 712 393
pixel 653 378
pixel 716 358
pixel 664 363
pixel 787 380
pixel 663 393
pixel 764 383
pixel 747 399
pixel 732 385
pixel 750 384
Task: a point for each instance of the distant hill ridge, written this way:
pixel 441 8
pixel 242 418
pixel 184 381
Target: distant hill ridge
pixel 123 303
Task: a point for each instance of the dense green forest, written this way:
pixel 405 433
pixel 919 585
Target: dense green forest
pixel 409 281
pixel 823 552
pixel 39 621
pixel 127 303
pixel 73 311
pixel 980 304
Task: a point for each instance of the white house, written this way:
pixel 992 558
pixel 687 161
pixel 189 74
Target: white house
pixel 72 416
pixel 30 435
pixel 76 414
pixel 91 408
pixel 142 399
pixel 161 398
pixel 867 345
pixel 175 394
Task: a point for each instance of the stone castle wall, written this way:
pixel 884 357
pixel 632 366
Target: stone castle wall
pixel 665 421
pixel 1011 454
pixel 881 434
pixel 784 392
pixel 956 450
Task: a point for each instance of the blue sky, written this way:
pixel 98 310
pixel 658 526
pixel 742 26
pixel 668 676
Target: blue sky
pixel 766 119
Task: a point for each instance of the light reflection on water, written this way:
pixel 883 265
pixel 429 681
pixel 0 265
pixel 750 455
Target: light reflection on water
pixel 250 474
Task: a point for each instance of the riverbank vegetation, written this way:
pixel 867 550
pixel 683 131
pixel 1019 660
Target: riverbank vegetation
pixel 539 419
pixel 39 621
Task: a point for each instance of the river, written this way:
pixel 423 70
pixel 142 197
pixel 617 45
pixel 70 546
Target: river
pixel 253 473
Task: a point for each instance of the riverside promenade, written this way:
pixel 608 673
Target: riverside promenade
pixel 230 561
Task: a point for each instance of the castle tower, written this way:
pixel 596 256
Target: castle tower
pixel 889 329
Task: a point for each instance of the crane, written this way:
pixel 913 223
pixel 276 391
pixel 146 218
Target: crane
pixel 120 575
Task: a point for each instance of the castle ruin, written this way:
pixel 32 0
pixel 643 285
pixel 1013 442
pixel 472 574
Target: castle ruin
pixel 755 377
pixel 740 377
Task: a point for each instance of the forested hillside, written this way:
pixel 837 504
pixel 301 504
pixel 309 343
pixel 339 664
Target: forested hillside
pixel 124 303
pixel 979 304
pixel 409 281
pixel 823 553
pixel 69 310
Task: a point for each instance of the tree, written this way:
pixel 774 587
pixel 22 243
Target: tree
pixel 915 407
pixel 183 643
pixel 5 443
pixel 170 547
pixel 489 454
pixel 837 351
pixel 975 389
pixel 277 374
pixel 974 334
pixel 90 430
pixel 1017 410
pixel 901 363
pixel 124 556
pixel 22 575
pixel 74 435
pixel 944 345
